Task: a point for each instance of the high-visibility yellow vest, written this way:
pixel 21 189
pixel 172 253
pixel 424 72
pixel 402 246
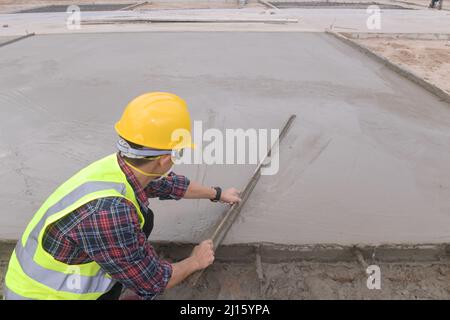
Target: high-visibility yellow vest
pixel 32 272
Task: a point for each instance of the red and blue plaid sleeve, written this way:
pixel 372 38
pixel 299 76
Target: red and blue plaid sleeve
pixel 173 186
pixel 112 237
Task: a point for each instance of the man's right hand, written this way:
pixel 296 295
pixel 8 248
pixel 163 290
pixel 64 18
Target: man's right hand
pixel 203 254
pixel 201 257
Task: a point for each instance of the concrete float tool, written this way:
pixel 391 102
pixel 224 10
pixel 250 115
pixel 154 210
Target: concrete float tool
pixel 221 229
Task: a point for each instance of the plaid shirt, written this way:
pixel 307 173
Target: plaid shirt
pixel 107 231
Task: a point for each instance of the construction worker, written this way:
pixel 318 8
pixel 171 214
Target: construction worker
pixel 89 238
pixel 434 2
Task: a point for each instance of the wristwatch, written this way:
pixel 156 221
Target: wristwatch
pixel 218 194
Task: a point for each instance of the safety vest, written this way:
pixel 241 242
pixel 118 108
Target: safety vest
pixel 32 272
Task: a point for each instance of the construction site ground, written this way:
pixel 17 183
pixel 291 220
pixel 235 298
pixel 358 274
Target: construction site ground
pixel 305 280
pixel 312 280
pixel 309 280
pixel 367 162
pixel 430 59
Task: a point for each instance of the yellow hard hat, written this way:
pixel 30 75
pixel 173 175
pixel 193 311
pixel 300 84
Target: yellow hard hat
pixel 150 120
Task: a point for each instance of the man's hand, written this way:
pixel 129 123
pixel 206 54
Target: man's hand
pixel 201 257
pixel 203 254
pixel 230 196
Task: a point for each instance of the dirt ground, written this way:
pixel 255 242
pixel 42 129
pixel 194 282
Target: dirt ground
pixel 5 252
pixel 429 59
pixel 308 280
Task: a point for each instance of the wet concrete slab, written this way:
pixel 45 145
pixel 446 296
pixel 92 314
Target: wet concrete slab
pixel 367 160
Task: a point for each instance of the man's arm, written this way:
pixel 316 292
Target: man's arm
pixel 177 186
pixel 198 191
pixel 112 237
pixel 202 256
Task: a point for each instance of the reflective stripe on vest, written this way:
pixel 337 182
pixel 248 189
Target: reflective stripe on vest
pixel 10 295
pixel 57 280
pixel 35 274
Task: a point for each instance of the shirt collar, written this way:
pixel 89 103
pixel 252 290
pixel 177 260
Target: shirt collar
pixel 139 191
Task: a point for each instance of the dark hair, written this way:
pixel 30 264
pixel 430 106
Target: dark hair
pixel 134 145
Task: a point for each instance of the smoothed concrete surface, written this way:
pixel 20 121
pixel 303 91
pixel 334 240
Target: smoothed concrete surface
pixel 367 160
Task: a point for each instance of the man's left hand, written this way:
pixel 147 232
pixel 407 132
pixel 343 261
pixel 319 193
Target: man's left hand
pixel 230 196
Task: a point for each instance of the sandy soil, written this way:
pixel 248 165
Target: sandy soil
pixel 317 281
pixel 307 280
pixel 429 59
pixel 5 252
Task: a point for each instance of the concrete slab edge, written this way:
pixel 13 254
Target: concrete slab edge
pixel 408 36
pixel 275 253
pixel 396 68
pixel 16 39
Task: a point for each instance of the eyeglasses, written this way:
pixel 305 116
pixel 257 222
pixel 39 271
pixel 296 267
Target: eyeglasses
pixel 176 155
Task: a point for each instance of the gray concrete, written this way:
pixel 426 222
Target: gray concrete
pixel 367 160
pixel 316 20
pixel 4 41
pixel 440 93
